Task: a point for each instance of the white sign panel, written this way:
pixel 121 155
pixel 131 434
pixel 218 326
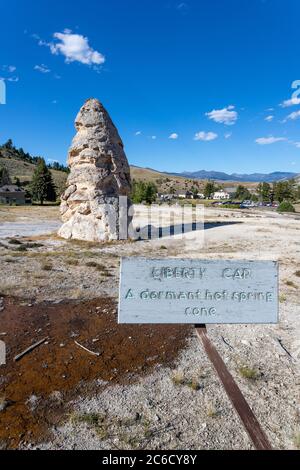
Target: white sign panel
pixel 198 291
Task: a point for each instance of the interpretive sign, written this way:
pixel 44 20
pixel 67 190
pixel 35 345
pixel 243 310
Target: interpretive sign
pixel 198 291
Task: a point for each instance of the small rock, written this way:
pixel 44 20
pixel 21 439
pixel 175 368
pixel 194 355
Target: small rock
pixel 3 405
pixel 33 401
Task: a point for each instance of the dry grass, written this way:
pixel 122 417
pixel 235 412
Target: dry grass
pixel 91 264
pixel 47 266
pixel 282 298
pixel 72 262
pixel 291 284
pixel 97 421
pixel 248 373
pixel 212 411
pixel 178 378
pixel 297 440
pixel 12 213
pixel 193 384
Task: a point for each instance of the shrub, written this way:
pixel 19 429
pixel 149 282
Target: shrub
pixel 248 373
pixel 286 206
pixel 47 267
pixel 14 241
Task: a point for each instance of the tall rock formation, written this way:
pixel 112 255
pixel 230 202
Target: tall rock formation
pixel 99 175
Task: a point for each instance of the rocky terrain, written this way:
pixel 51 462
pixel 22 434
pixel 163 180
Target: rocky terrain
pixel 149 387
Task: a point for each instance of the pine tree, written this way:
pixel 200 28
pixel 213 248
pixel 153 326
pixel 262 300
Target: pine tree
pixel 8 144
pixel 209 189
pixel 4 176
pixel 264 190
pixel 42 186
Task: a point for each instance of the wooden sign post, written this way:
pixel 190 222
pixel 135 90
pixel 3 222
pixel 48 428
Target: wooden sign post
pixel 201 292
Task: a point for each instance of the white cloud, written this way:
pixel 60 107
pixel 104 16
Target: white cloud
pixel 153 137
pixel 269 140
pixel 138 133
pixel 182 7
pixel 75 48
pixel 225 116
pixel 42 68
pixel 174 136
pixel 9 68
pixel 269 118
pixel 10 79
pixel 297 144
pixel 228 135
pixel 290 102
pixel 293 116
pixel 205 136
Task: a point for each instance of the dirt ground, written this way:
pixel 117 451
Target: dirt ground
pixel 38 387
pixel 150 386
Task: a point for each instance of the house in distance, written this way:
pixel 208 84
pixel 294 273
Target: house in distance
pixel 12 194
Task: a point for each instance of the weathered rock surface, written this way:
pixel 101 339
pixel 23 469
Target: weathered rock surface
pixel 99 175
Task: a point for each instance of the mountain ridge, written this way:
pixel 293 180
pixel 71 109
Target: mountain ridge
pixel 243 178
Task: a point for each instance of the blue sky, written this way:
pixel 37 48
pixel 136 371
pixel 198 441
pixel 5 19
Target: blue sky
pixel 188 84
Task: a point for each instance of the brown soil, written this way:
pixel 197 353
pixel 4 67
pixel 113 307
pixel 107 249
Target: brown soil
pixel 126 351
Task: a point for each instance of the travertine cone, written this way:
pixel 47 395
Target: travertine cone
pixel 99 175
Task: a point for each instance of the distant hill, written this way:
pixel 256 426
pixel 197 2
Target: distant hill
pixel 21 165
pixel 243 178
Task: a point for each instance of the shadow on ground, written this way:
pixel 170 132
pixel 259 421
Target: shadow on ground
pixel 151 232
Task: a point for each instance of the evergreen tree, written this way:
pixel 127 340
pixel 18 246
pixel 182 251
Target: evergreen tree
pixel 242 192
pixel 150 193
pixel 284 190
pixel 8 144
pixel 209 189
pixel 264 191
pixel 4 176
pixel 17 182
pixel 143 192
pixel 194 191
pixel 42 186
